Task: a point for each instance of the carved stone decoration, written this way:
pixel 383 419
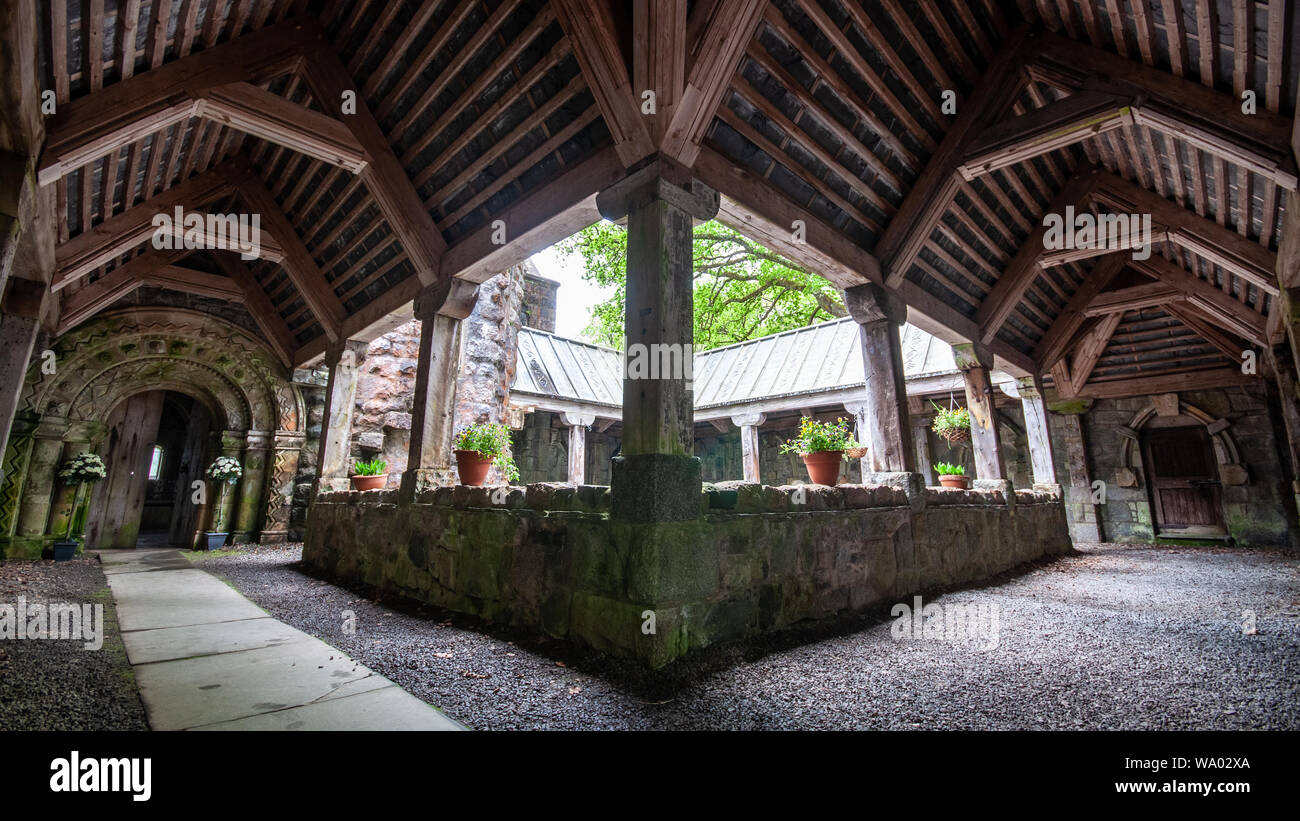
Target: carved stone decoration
pixel 1166 404
pixel 1233 474
pixel 1126 477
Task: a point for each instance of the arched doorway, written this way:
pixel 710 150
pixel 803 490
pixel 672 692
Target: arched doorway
pixel 1184 483
pixel 255 414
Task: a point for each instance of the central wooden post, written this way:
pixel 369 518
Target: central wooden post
pixel 656 478
pixel 749 445
pixel 975 361
pixel 440 309
pixel 579 424
pixel 884 420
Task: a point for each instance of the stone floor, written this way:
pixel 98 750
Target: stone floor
pixel 1115 637
pixel 207 658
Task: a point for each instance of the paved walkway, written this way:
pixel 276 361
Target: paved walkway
pixel 207 658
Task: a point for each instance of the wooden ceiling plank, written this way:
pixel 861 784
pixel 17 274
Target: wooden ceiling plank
pixel 1276 54
pixel 260 307
pixel 922 93
pixel 1225 310
pixel 1172 14
pixel 1055 341
pixel 1142 22
pixel 1090 349
pixel 1207 26
pixel 413 31
pixel 919 44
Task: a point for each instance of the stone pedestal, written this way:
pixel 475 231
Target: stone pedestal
pixel 657 478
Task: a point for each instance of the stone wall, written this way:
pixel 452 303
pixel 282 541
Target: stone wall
pixel 381 420
pixel 539 299
pixel 1253 489
pixel 760 558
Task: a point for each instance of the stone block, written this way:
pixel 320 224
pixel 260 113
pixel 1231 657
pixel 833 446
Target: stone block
pixel 655 487
pixel 397 420
pixel 371 440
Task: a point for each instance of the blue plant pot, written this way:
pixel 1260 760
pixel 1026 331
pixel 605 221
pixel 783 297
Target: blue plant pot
pixel 65 550
pixel 216 541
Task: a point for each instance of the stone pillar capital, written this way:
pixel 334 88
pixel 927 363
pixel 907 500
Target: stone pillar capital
pixel 576 419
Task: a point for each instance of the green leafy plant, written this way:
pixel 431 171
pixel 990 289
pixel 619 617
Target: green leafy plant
pixel 374 467
pixel 491 440
pixel 952 424
pixel 819 437
pixel 945 469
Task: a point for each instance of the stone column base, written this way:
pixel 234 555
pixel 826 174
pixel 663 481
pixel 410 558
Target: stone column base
pixel 913 484
pixel 655 487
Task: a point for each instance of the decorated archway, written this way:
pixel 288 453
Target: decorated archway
pixel 256 415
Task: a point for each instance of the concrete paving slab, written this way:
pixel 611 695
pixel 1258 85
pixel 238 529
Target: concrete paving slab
pixel 176 598
pixel 171 643
pixel 388 708
pixel 141 561
pixel 205 690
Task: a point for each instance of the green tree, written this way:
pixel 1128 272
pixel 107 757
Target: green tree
pixel 742 290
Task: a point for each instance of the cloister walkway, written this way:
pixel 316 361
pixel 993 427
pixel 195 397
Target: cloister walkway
pixel 207 658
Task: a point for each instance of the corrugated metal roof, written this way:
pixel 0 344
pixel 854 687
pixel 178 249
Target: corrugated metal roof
pixel 816 359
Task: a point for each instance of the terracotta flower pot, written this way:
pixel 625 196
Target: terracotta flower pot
pixel 472 467
pixel 953 480
pixel 823 466
pixel 369 482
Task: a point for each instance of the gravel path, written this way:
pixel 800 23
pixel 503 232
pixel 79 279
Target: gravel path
pixel 59 685
pixel 1116 637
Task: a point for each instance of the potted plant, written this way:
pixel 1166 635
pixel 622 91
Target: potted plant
pixel 225 471
pixel 370 475
pixel 82 469
pixel 483 445
pixel 822 446
pixel 952 475
pixel 952 424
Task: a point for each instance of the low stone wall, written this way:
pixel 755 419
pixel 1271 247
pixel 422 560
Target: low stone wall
pixel 547 557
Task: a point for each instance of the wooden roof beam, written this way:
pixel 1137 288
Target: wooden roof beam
pixel 1134 298
pixel 909 229
pixel 1207 119
pixel 1203 237
pixel 591 29
pixel 298 263
pixel 117 283
pixel 1216 304
pixel 1166 383
pixel 1063 330
pixel 384 176
pixel 259 306
pixel 126 111
pixel 1090 350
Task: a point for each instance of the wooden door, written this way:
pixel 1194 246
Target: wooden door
pixel 118 501
pixel 1184 482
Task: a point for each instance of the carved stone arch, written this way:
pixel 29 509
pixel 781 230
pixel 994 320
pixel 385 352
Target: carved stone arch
pixel 1226 452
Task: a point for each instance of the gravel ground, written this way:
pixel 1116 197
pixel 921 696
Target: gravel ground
pixel 1115 637
pixel 59 685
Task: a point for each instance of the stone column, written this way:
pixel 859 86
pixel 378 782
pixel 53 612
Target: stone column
pixel 227 512
pixel 1085 518
pixel 19 323
pixel 1037 434
pixel 344 361
pixel 749 447
pixel 39 487
pixel 250 492
pixel 657 478
pixel 883 422
pixel 440 309
pixel 975 360
pixel 579 424
pixel 279 487
pixel 1289 402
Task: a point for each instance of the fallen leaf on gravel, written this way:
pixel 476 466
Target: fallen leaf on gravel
pixel 573 691
pixel 468 674
pixel 560 664
pixel 442 655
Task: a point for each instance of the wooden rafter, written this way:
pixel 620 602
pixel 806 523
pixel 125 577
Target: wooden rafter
pixel 259 306
pixel 1063 330
pixel 1219 306
pixel 1089 351
pixel 1133 298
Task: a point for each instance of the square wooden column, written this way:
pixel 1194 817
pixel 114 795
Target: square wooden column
pixel 883 417
pixel 579 424
pixel 344 360
pixel 749 447
pixel 1084 514
pixel 975 361
pixel 656 478
pixel 1036 430
pixel 440 310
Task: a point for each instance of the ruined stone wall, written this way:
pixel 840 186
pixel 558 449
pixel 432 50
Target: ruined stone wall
pixel 489 348
pixel 539 300
pixel 381 420
pixel 1253 490
pixel 761 558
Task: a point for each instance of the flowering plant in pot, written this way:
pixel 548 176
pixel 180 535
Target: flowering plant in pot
pixel 483 445
pixel 82 469
pixel 952 475
pixel 952 424
pixel 822 446
pixel 225 471
pixel 370 475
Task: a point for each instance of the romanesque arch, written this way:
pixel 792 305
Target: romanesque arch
pixel 1226 453
pixel 257 413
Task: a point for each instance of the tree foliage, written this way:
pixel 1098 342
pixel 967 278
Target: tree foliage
pixel 742 290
